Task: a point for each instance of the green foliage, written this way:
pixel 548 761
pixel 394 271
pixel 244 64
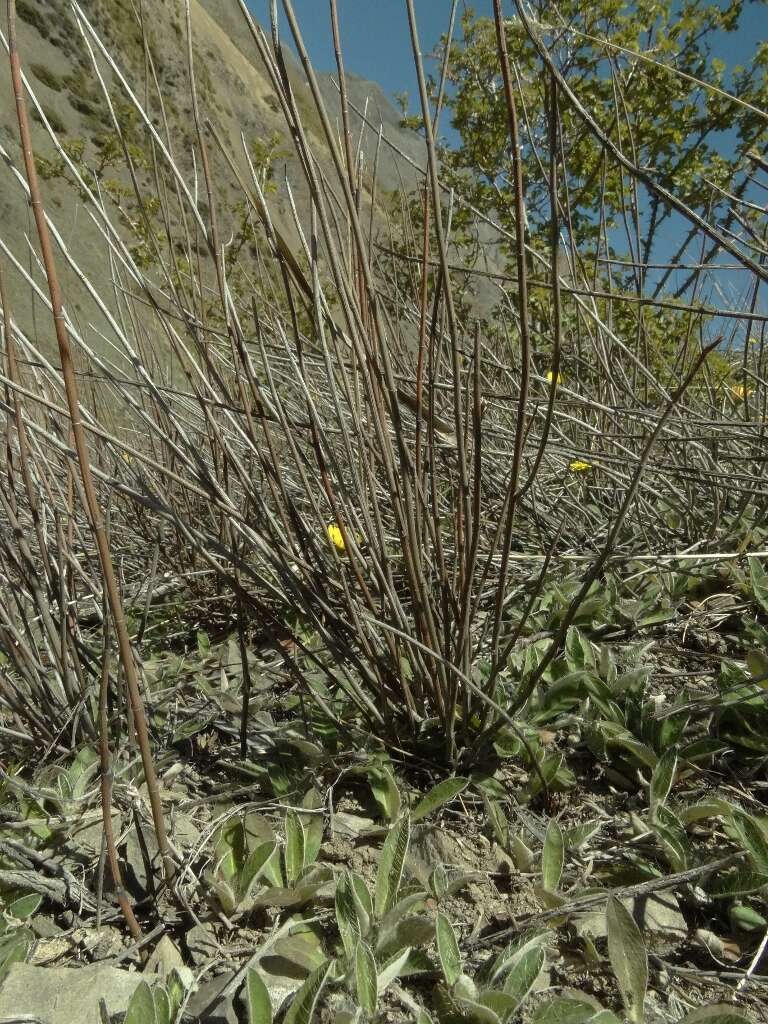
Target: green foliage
pixel 304 1002
pixel 257 999
pixel 552 857
pixel 35 16
pixel 440 794
pixel 264 154
pixel 159 1004
pixel 380 935
pixel 385 791
pixel 63 788
pixel 253 869
pixel 15 937
pixel 628 959
pixel 366 982
pixel 391 865
pixel 448 950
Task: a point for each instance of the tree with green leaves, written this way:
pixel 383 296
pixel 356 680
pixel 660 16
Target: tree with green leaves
pixel 647 75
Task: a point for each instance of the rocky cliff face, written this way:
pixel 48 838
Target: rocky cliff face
pixel 235 93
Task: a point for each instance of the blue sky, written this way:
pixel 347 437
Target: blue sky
pixel 375 37
pixel 376 41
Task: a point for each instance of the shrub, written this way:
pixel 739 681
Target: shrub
pixel 53 119
pixel 33 16
pixel 47 77
pixel 81 105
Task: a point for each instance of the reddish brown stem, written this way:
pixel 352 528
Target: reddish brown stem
pixel 95 517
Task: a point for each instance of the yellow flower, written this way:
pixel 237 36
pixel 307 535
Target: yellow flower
pixel 551 377
pixel 741 391
pixel 579 466
pixel 335 536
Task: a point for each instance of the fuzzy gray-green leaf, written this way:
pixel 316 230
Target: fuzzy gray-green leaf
pixel 440 794
pixel 385 791
pixel 257 999
pixel 304 1002
pixel 391 864
pixel 498 821
pixel 759 580
pixel 294 846
pixel 753 840
pixel 141 1006
pixel 663 777
pixel 578 1008
pixel 523 975
pixel 392 968
pixel 438 882
pixel 313 826
pixel 365 978
pixel 25 906
pixel 552 856
pixel 162 1005
pixel 629 959
pixel 448 949
pixel 346 914
pixel 254 867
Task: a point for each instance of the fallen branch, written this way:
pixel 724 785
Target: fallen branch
pixel 625 892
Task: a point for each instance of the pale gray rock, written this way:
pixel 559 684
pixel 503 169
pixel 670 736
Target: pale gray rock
pixel 65 995
pixel 656 915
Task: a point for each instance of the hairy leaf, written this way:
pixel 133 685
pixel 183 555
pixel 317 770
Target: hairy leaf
pixel 629 959
pixel 176 990
pixel 385 791
pixel 392 969
pixel 141 1006
pixel 759 579
pixel 346 914
pixel 438 881
pixel 448 949
pixel 254 867
pixel 257 999
pixel 365 978
pixel 753 840
pixel 162 1005
pixel 741 882
pixel 522 977
pixel 663 777
pixel 577 1008
pixel 294 847
pixel 498 820
pixel 304 1002
pixel 440 794
pixel 391 864
pixel 552 856
pixel 25 906
pixel 313 825
pixel 476 1013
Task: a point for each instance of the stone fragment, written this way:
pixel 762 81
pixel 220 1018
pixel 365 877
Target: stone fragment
pixel 64 995
pixel 656 915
